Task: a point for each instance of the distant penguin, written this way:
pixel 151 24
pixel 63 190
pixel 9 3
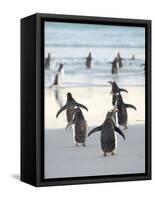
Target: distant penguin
pixel 143 65
pixel 88 61
pixel 114 69
pixel 108 136
pixel 58 76
pixel 119 60
pixel 47 61
pixel 133 57
pixel 115 90
pixel 69 107
pixel 80 127
pixel 122 111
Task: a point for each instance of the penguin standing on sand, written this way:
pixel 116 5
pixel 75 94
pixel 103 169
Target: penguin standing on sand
pixel 80 127
pixel 108 136
pixel 115 91
pixel 69 107
pixel 122 111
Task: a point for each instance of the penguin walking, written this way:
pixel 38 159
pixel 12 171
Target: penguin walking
pixel 115 91
pixel 114 69
pixel 58 76
pixel 108 136
pixel 69 107
pixel 47 61
pixel 122 111
pixel 80 127
pixel 89 61
pixel 119 60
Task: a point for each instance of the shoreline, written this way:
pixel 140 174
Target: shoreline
pixel 97 99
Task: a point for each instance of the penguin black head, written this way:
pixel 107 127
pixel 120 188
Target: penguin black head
pixel 69 96
pixel 78 112
pixel 113 83
pixel 60 67
pixel 111 113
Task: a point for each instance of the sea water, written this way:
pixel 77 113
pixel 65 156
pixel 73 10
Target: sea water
pixel 70 43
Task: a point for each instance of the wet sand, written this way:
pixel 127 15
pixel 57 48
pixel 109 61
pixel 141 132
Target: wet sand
pixel 63 159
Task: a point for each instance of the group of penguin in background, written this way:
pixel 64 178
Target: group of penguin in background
pixel 108 129
pixel 116 64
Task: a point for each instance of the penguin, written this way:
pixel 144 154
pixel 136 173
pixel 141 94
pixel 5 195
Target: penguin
pixel 119 60
pixel 114 69
pixel 69 107
pixel 108 136
pixel 133 57
pixel 47 61
pixel 122 111
pixel 115 90
pixel 80 127
pixel 57 79
pixel 88 61
pixel 143 65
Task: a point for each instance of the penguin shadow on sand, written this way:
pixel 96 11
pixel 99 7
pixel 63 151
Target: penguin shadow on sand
pixel 108 137
pixel 75 119
pixel 121 116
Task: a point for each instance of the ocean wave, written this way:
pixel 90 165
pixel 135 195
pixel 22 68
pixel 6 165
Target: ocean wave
pixel 94 45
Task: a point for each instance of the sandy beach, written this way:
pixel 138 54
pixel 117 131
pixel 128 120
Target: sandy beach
pixel 98 101
pixel 62 159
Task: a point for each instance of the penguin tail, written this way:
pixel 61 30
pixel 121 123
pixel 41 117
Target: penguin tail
pixel 130 106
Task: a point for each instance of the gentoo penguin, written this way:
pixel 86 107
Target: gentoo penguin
pixel 119 60
pixel 143 65
pixel 115 90
pixel 133 57
pixel 88 61
pixel 69 107
pixel 114 69
pixel 122 111
pixel 108 136
pixel 48 61
pixel 80 127
pixel 57 79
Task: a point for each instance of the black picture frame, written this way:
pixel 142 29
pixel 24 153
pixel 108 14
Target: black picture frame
pixel 32 99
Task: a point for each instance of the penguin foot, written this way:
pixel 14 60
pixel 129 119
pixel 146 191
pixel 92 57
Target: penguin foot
pixel 84 145
pixel 105 154
pixel 113 153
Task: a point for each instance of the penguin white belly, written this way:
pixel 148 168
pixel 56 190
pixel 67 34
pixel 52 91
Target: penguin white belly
pixel 73 129
pixel 115 134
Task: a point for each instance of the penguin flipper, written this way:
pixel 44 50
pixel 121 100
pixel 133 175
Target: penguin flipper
pixel 130 106
pixel 118 130
pixel 123 90
pixel 82 106
pixel 95 130
pixel 70 123
pixel 61 109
